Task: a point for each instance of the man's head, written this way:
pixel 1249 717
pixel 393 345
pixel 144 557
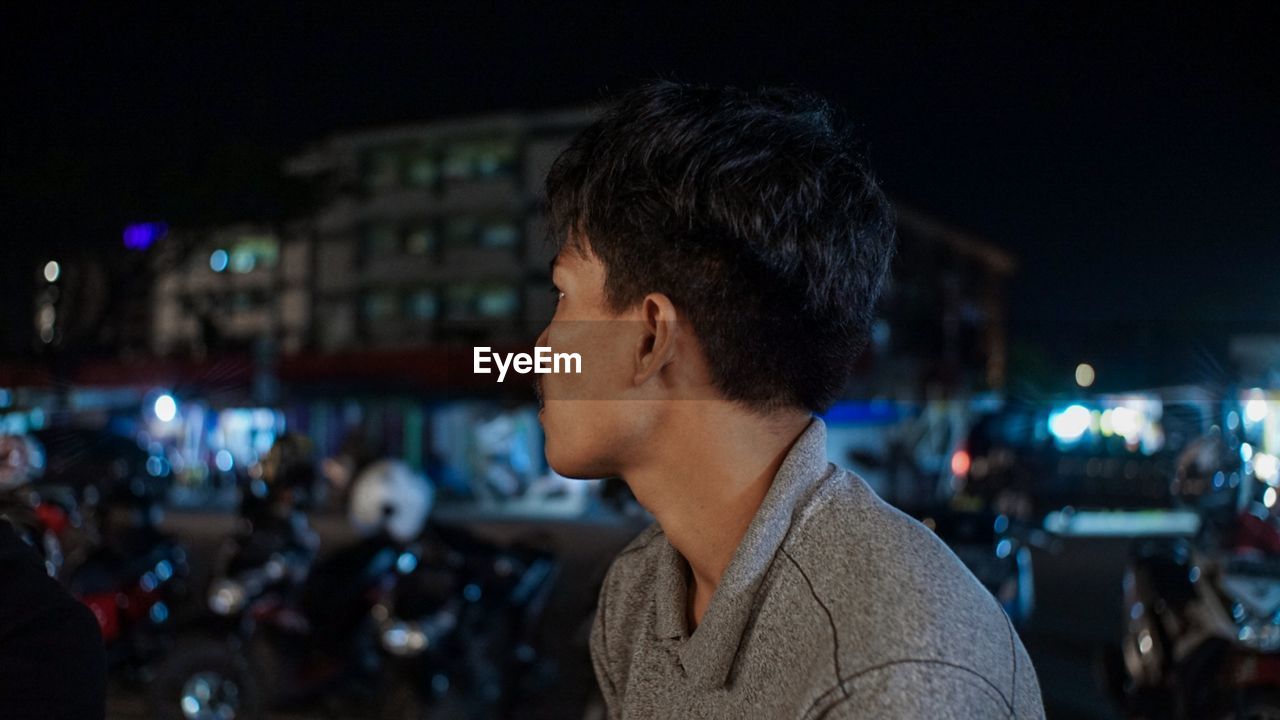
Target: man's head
pixel 711 239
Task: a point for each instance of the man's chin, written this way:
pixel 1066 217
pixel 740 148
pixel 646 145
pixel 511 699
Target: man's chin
pixel 571 465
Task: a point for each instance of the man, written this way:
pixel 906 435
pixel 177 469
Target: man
pixel 720 254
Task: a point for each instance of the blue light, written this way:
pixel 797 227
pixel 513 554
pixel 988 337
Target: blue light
pixel 1070 424
pixel 218 260
pixel 224 461
pixel 159 613
pixel 861 413
pixel 143 235
pixel 471 592
pixel 1003 548
pixel 157 467
pixel 406 563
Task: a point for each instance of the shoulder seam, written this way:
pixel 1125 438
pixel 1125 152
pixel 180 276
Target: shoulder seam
pixel 835 636
pixel 910 661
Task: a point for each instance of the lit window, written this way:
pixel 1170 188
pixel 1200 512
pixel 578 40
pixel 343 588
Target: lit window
pixel 459 163
pixel 380 306
pixel 499 235
pixel 420 240
pixel 250 252
pixel 422 170
pixel 423 305
pixel 494 301
pixel 495 158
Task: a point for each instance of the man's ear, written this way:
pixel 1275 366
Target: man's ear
pixel 658 333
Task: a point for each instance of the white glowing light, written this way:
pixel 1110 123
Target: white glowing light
pixel 1127 423
pixel 1246 452
pixel 1071 423
pixel 1269 497
pixel 166 408
pixel 1266 467
pixel 1085 375
pixel 1256 410
pixel 52 270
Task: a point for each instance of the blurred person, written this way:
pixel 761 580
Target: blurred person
pixel 52 661
pixel 719 258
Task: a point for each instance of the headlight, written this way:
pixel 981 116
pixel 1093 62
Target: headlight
pixel 226 597
pixel 404 639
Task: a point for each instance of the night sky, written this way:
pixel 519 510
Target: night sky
pixel 1129 159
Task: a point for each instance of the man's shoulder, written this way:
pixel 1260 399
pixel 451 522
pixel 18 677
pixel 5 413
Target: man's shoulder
pixel 884 578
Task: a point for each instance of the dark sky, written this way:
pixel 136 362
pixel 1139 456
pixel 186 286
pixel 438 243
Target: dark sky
pixel 1129 158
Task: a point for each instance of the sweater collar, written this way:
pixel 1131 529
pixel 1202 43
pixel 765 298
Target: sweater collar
pixel 707 656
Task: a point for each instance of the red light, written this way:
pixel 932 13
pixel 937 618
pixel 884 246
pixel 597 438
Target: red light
pixel 960 463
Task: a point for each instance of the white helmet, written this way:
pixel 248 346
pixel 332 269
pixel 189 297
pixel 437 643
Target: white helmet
pixel 390 496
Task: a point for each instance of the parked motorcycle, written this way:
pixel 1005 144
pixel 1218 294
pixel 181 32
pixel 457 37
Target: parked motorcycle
pixel 132 579
pixel 315 646
pixel 461 629
pixel 259 572
pixel 1202 615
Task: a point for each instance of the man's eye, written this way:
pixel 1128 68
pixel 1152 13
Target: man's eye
pixel 556 295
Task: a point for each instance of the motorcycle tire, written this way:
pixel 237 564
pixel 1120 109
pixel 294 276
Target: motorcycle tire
pixel 202 677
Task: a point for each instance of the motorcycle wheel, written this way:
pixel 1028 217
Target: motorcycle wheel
pixel 205 679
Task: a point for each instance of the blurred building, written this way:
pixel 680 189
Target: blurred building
pixel 227 288
pixel 359 314
pixel 942 327
pixel 433 233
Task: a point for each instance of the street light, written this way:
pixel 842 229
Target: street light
pixel 1085 375
pixel 166 408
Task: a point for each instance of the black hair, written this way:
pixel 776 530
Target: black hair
pixel 753 212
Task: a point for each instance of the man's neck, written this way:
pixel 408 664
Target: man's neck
pixel 715 466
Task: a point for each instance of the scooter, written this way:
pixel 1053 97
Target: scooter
pixel 1202 628
pixel 131 580
pixel 461 630
pixel 290 650
pixel 257 572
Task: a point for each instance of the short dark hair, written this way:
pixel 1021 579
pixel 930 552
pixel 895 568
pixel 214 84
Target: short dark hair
pixel 755 213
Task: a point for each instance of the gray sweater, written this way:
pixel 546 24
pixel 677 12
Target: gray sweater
pixel 835 605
